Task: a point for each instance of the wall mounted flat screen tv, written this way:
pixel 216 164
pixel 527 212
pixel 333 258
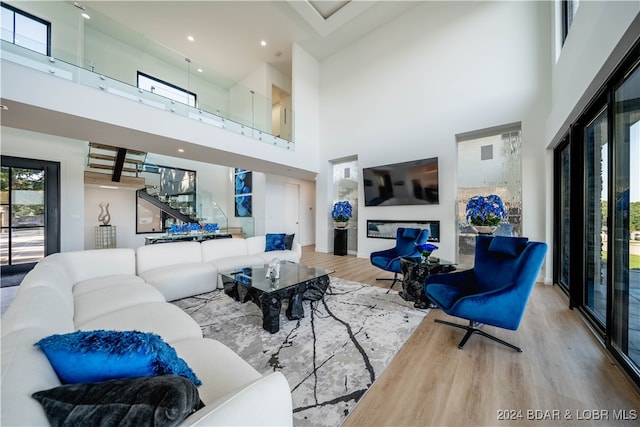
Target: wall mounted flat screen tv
pixel 407 183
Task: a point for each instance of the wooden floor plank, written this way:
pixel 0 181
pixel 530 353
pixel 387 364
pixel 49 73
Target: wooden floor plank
pixel 563 372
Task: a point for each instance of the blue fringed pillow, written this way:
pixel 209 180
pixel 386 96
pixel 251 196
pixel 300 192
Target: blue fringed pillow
pixel 276 242
pixel 93 356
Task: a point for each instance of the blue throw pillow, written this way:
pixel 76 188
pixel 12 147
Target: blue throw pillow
pixel 511 246
pixel 275 242
pixel 93 356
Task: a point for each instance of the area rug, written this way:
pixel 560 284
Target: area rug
pixel 330 357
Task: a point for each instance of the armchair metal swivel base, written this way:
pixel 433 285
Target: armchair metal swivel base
pixel 474 328
pixel 393 281
pixel 495 291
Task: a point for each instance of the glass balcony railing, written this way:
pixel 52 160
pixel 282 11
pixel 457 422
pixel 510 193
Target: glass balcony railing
pixel 109 56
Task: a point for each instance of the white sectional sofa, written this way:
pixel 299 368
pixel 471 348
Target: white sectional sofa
pixel 182 269
pixel 101 289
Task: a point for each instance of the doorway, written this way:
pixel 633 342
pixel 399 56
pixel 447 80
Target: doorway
pixel 281 114
pixel 29 212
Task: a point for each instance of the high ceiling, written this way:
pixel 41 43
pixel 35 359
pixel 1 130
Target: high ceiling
pixel 227 34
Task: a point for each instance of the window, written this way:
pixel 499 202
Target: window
pixel 601 259
pixel 25 30
pixel 569 9
pixel 165 89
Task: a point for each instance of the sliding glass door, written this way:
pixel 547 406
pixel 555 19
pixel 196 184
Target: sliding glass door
pixel 596 144
pixel 597 213
pixel 626 220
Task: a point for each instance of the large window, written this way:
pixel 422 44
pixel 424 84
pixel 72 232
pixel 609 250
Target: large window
pixel 597 186
pixel 165 89
pixel 25 30
pixel 569 9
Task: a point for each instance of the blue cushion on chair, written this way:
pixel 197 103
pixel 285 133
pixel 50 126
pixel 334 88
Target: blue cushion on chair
pixel 276 242
pixel 410 233
pixel 94 356
pixel 511 246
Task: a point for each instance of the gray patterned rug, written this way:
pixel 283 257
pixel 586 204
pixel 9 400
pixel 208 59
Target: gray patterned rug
pixel 330 357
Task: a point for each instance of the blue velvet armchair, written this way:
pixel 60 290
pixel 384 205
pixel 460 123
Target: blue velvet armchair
pixel 406 240
pixel 496 291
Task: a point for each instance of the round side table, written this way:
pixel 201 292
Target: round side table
pixel 413 273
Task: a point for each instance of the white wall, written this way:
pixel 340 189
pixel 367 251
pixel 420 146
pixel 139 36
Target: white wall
pixel 72 156
pixel 404 91
pixel 588 56
pixel 305 98
pixel 276 203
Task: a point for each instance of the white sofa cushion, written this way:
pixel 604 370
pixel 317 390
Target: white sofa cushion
pixel 38 307
pixel 164 254
pixel 281 255
pixel 94 304
pixel 51 276
pixel 256 244
pixel 85 265
pixel 268 397
pixel 164 319
pixel 235 262
pixel 105 282
pixel 184 280
pixel 25 370
pixel 228 373
pixel 222 248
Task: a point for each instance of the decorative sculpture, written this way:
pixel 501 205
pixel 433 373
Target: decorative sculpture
pixel 104 216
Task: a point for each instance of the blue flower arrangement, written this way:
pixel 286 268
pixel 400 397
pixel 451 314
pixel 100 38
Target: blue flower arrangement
pixel 487 210
pixel 342 211
pixel 211 227
pixel 426 248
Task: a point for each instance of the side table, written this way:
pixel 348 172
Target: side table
pixel 413 273
pixel 340 241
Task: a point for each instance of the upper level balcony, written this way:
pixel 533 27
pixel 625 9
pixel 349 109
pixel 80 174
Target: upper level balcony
pixel 102 55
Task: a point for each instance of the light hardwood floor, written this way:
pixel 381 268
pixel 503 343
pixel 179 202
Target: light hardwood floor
pixel 563 374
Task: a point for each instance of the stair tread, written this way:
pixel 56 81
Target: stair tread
pixel 101 146
pixel 110 167
pixel 99 156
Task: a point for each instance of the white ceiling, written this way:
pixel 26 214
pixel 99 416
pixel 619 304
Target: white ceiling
pixel 228 33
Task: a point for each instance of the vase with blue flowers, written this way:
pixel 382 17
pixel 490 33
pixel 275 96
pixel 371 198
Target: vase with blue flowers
pixel 425 250
pixel 341 213
pixel 485 213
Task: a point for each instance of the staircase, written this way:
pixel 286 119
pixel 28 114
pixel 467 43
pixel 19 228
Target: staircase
pixel 109 165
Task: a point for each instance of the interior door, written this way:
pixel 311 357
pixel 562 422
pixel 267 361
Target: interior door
pixel 292 211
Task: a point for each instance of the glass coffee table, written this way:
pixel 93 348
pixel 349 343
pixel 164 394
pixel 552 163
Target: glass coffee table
pixel 297 282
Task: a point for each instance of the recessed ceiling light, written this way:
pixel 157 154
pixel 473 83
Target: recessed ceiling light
pixel 263 43
pixel 190 38
pixel 85 15
pixel 199 70
pixel 180 150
